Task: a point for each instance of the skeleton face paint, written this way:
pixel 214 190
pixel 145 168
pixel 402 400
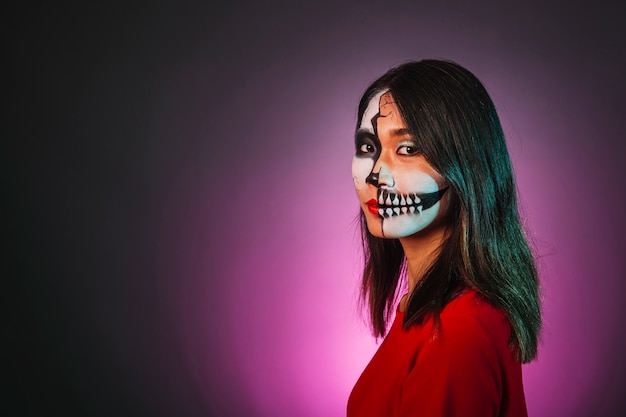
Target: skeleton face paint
pixel 400 192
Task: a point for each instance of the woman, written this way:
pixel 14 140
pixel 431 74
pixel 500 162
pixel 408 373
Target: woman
pixel 440 221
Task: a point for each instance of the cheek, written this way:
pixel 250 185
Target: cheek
pixel 361 168
pixel 415 182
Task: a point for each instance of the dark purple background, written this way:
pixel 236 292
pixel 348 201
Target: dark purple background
pixel 181 212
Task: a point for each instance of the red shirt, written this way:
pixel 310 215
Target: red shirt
pixel 467 369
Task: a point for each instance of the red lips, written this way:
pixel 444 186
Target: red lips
pixel 372 206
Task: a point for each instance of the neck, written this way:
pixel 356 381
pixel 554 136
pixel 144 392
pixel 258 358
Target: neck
pixel 421 250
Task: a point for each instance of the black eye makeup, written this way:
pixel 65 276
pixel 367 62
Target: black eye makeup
pixel 367 145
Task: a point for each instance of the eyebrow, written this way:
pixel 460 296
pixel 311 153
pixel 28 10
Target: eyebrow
pixel 396 132
pixel 401 132
pixel 362 133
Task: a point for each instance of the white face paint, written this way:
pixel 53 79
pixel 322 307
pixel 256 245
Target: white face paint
pixel 362 166
pixel 400 192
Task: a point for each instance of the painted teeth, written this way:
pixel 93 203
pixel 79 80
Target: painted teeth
pixel 387 212
pixel 392 204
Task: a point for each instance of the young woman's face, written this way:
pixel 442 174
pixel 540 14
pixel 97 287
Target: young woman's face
pixel 399 191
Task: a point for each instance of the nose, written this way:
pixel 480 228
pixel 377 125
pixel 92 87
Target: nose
pixel 382 178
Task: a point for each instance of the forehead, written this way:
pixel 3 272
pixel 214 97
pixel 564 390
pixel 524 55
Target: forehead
pixel 381 106
pixel 371 111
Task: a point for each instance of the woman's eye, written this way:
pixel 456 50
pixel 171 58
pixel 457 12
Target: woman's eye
pixel 407 150
pixel 366 148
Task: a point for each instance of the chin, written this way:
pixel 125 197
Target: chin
pixel 400 226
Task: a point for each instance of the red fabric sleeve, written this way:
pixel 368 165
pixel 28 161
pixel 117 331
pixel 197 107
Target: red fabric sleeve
pixel 455 374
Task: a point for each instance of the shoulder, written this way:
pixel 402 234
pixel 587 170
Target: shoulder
pixel 460 368
pixel 470 330
pixel 471 315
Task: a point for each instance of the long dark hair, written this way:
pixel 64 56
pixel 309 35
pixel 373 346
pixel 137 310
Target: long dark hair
pixel 450 114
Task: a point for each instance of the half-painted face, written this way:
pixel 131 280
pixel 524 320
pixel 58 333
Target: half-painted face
pixel 400 192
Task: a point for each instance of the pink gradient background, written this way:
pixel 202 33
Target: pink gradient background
pixel 183 217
